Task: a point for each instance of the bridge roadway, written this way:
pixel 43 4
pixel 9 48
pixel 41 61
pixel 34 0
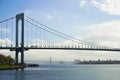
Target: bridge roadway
pixel 59 48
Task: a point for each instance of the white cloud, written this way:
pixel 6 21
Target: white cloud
pixel 5 41
pixel 27 12
pixel 49 16
pixel 106 33
pixel 83 3
pixel 111 7
pixel 46 54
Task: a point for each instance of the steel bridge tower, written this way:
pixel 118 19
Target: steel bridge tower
pixel 19 49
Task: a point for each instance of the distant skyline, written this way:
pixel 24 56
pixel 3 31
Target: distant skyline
pixel 95 21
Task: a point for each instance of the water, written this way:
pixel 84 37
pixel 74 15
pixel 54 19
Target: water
pixel 64 72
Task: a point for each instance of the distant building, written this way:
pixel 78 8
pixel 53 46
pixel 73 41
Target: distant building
pixel 97 62
pixel 77 61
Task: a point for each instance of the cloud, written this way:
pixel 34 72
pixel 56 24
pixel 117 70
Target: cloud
pixel 109 6
pixel 49 16
pixel 5 41
pixel 46 54
pixel 28 12
pixel 83 3
pixel 106 33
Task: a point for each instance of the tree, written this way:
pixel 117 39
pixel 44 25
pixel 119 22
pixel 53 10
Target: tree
pixel 2 59
pixel 9 59
pixel 6 59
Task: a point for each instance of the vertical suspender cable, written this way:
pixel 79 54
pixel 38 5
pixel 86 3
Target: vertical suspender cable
pixel 42 37
pixel 26 35
pixel 32 31
pixel 45 38
pixel 50 40
pixel 29 35
pixel 11 33
pixel 38 38
pixel 28 26
pixel 1 34
pixel 37 42
pixel 6 33
pixel 34 37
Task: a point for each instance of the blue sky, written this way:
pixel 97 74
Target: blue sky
pixel 63 13
pixel 69 10
pixel 86 19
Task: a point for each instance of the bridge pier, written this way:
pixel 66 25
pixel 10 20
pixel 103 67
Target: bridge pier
pixel 17 52
pixel 19 49
pixel 16 56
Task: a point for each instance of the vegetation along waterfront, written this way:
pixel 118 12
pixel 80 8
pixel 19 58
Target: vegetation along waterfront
pixel 7 62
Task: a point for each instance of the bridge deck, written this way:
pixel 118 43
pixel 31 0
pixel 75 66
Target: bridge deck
pixel 56 48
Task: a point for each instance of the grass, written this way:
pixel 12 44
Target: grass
pixel 8 66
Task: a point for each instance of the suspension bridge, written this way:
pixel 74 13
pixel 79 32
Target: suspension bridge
pixel 21 33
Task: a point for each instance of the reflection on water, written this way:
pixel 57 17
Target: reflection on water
pixel 81 72
pixel 19 74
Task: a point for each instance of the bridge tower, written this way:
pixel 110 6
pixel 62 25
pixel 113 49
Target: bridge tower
pixel 19 49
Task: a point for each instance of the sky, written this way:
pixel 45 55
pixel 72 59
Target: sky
pixel 90 20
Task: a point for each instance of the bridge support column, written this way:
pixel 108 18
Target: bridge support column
pixel 16 57
pixel 21 47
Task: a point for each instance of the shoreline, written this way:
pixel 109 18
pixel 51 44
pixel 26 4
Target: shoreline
pixel 11 67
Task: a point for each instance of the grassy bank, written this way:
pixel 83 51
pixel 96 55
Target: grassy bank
pixel 7 66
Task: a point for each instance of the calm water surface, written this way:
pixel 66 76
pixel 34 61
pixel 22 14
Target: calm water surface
pixel 64 72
